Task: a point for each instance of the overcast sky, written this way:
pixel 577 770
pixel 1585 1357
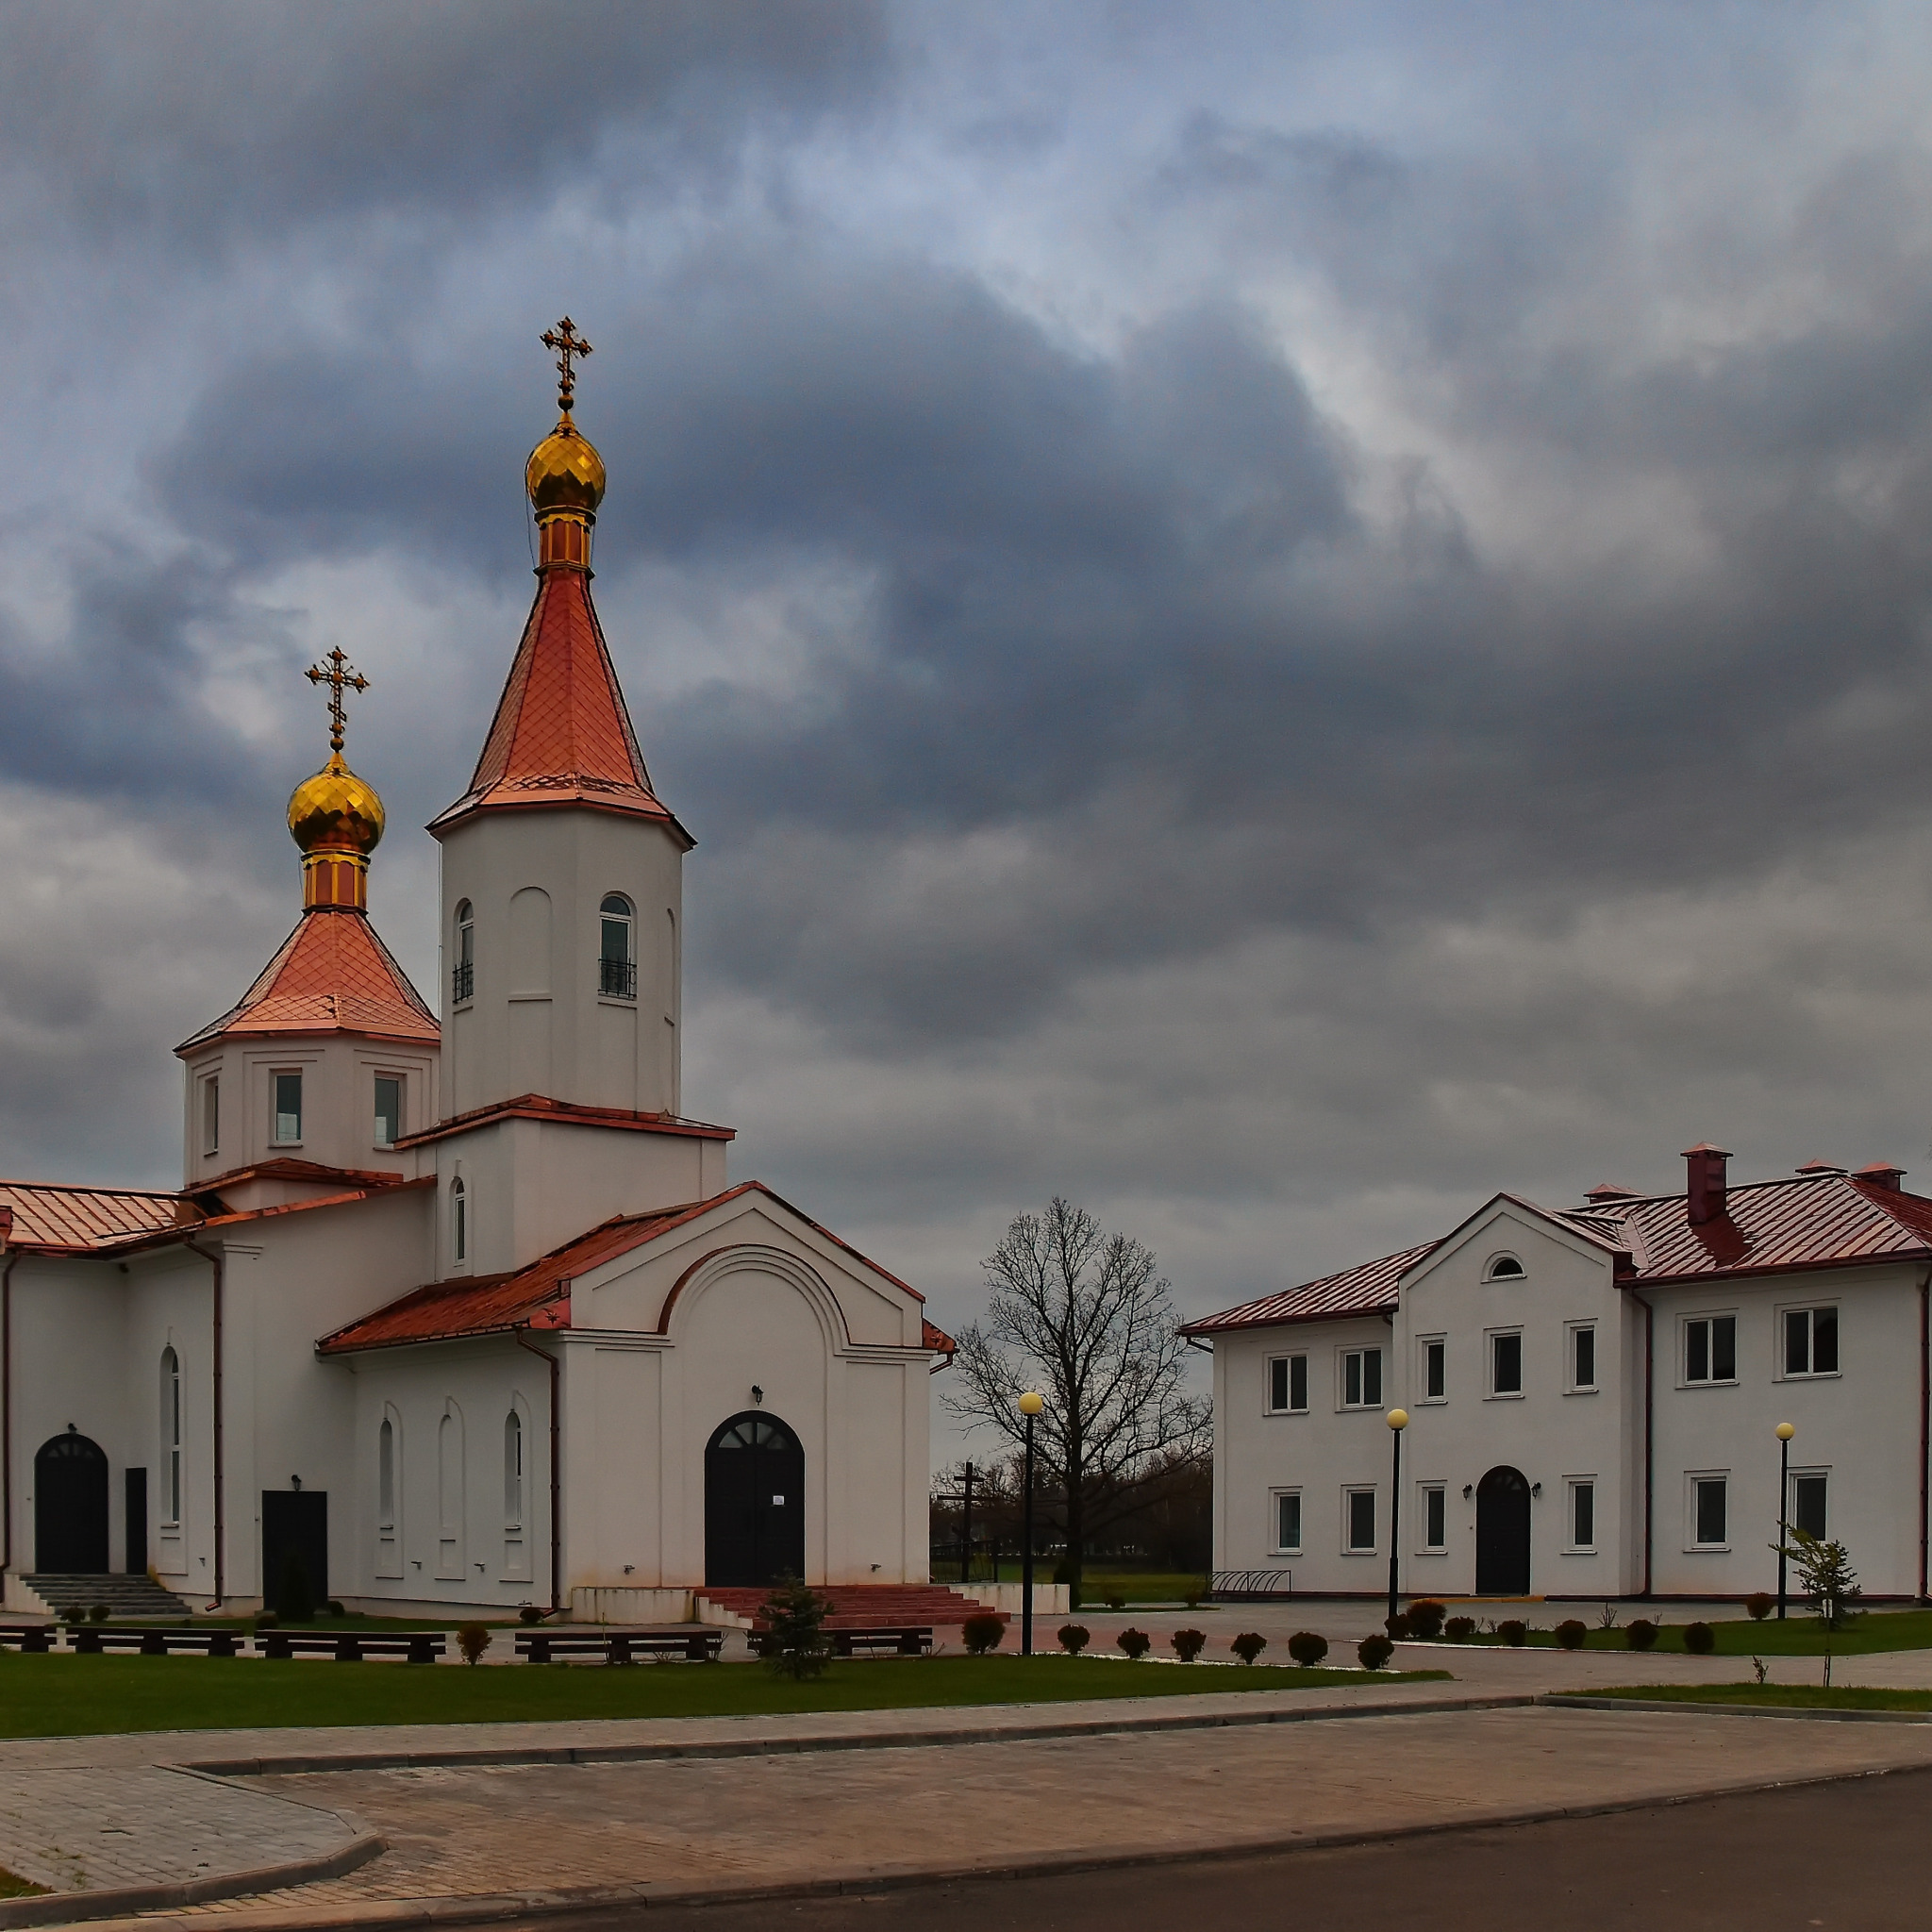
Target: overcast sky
pixel 1272 616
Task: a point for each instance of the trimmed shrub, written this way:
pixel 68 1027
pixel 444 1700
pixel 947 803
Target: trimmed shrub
pixel 1188 1644
pixel 473 1640
pixel 1699 1639
pixel 530 1613
pixel 1425 1618
pixel 1074 1637
pixel 1249 1645
pixel 1459 1629
pixel 1133 1642
pixel 74 1613
pixel 1513 1631
pixel 1115 1601
pixel 1759 1605
pixel 983 1633
pixel 335 1609
pixel 1308 1648
pixel 98 1614
pixel 1397 1627
pixel 1641 1635
pixel 1374 1651
pixel 267 1619
pixel 1193 1593
pixel 1570 1633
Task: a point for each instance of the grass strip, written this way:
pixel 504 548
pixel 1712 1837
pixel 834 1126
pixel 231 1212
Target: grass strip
pixel 1774 1696
pixel 13 1886
pixel 1800 1635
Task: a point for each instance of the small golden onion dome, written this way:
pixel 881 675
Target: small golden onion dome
pixel 565 471
pixel 335 812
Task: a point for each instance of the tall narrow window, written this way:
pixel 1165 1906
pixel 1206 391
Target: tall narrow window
pixel 1435 1370
pixel 1707 1507
pixel 388 1110
pixel 1583 1356
pixel 449 1494
pixel 1288 1521
pixel 512 1471
pixel 171 1436
pixel 1506 1365
pixel 458 1221
pixel 386 1476
pixel 1807 1505
pixel 1583 1516
pixel 1435 1518
pixel 617 972
pixel 1361 1520
pixel 462 974
pixel 212 1115
pixel 288 1109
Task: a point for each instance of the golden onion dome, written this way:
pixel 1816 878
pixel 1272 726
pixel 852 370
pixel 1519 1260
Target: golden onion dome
pixel 335 812
pixel 565 471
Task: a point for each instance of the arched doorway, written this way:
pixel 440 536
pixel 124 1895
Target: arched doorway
pixel 754 1502
pixel 1501 1533
pixel 71 1507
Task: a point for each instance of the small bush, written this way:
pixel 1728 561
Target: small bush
pixel 1759 1605
pixel 794 1643
pixel 1193 1593
pixel 1699 1639
pixel 1115 1601
pixel 1425 1618
pixel 983 1633
pixel 1459 1629
pixel 1308 1648
pixel 1188 1644
pixel 1074 1637
pixel 1641 1635
pixel 335 1608
pixel 1374 1651
pixel 74 1613
pixel 267 1621
pixel 1570 1633
pixel 473 1640
pixel 1513 1631
pixel 98 1614
pixel 1397 1627
pixel 530 1613
pixel 1133 1642
pixel 1249 1645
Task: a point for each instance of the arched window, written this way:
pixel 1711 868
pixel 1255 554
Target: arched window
pixel 512 1471
pixel 458 1221
pixel 463 974
pixel 1505 1268
pixel 617 969
pixel 449 1493
pixel 171 1436
pixel 386 1477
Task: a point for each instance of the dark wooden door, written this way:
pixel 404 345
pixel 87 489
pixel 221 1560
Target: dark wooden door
pixel 137 1523
pixel 1502 1533
pixel 295 1523
pixel 754 1502
pixel 71 1507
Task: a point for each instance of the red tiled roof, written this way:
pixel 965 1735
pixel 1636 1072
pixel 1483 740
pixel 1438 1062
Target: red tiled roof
pixel 537 1106
pixel 283 1168
pixel 561 734
pixel 331 975
pixel 936 1339
pixel 75 1219
pixel 1369 1290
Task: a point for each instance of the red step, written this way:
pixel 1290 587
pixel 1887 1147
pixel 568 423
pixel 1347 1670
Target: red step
pixel 854 1606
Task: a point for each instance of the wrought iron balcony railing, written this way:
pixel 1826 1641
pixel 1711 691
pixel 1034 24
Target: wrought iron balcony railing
pixel 618 979
pixel 462 982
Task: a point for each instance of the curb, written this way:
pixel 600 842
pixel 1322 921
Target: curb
pixel 1576 1701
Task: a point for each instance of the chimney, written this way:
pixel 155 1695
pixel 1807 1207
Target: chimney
pixel 1706 1167
pixel 1813 1168
pixel 1608 1193
pixel 1881 1173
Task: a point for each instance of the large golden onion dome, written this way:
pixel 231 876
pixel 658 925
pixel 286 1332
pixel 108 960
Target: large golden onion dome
pixel 565 473
pixel 335 812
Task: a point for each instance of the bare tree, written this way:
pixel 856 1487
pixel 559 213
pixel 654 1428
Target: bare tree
pixel 1085 1318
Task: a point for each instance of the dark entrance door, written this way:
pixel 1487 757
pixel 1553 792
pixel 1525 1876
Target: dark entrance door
pixel 1502 1533
pixel 754 1502
pixel 71 1507
pixel 295 1523
pixel 137 1521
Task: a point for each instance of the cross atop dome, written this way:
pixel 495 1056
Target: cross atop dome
pixel 341 676
pixel 567 344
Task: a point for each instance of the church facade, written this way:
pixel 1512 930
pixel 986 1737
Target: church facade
pixel 455 1305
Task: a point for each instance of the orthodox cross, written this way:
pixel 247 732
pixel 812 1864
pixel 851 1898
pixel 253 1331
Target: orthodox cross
pixel 569 346
pixel 339 675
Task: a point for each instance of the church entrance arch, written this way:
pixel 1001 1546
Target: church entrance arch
pixel 1501 1533
pixel 71 1506
pixel 754 1502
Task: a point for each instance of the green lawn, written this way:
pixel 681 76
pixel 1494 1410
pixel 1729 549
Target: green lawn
pixel 1803 1636
pixel 1773 1696
pixel 65 1695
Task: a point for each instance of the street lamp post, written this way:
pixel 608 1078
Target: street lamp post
pixel 1398 1420
pixel 1785 1433
pixel 1030 1404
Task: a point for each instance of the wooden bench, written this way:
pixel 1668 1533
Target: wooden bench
pixel 352 1646
pixel 620 1646
pixel 37 1638
pixel 90 1640
pixel 903 1640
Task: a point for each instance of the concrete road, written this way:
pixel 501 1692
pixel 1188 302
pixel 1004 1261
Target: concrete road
pixel 1844 1857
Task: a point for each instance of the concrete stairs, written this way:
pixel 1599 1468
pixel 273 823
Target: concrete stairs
pixel 854 1606
pixel 129 1599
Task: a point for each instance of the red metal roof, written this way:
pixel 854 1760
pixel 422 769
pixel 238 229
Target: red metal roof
pixel 561 734
pixel 538 1107
pixel 1369 1290
pixel 75 1219
pixel 331 975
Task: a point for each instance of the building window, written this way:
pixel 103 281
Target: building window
pixel 1583 1515
pixel 1807 1505
pixel 1359 1521
pixel 449 1494
pixel 458 1221
pixel 1505 1268
pixel 1810 1341
pixel 462 976
pixel 288 1110
pixel 1287 1523
pixel 1506 1364
pixel 386 1476
pixel 1435 1518
pixel 617 970
pixel 388 1110
pixel 1361 1378
pixel 1711 1348
pixel 1434 1368
pixel 1707 1514
pixel 171 1438
pixel 512 1471
pixel 1288 1384
pixel 1583 1356
pixel 211 1116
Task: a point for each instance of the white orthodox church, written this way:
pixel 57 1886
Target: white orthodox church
pixel 462 1311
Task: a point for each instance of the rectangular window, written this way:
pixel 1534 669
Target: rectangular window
pixel 1288 1384
pixel 1435 1370
pixel 1711 1348
pixel 1810 1341
pixel 288 1106
pixel 1583 1356
pixel 1361 1520
pixel 1583 1516
pixel 388 1110
pixel 1435 1519
pixel 1707 1500
pixel 1506 1365
pixel 1361 1378
pixel 1807 1505
pixel 1288 1521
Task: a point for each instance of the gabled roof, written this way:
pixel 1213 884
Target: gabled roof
pixel 561 734
pixel 77 1220
pixel 1369 1290
pixel 331 975
pixel 539 1107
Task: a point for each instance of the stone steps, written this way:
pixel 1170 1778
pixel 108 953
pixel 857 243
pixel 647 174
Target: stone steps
pixel 857 1606
pixel 126 1597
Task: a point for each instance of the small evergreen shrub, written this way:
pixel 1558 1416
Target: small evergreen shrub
pixel 983 1633
pixel 1425 1618
pixel 1374 1651
pixel 1193 1593
pixel 335 1609
pixel 1699 1639
pixel 1759 1605
pixel 1570 1633
pixel 1115 1601
pixel 74 1613
pixel 1249 1645
pixel 793 1642
pixel 473 1640
pixel 1074 1637
pixel 1513 1631
pixel 1641 1635
pixel 1459 1629
pixel 1397 1627
pixel 98 1614
pixel 1308 1648
pixel 1188 1644
pixel 1133 1643
pixel 530 1613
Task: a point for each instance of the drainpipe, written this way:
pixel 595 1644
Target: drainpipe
pixel 7 1400
pixel 1649 1429
pixel 216 1263
pixel 545 1355
pixel 1925 1422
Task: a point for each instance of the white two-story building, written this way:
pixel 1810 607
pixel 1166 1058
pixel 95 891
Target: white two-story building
pixel 1593 1397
